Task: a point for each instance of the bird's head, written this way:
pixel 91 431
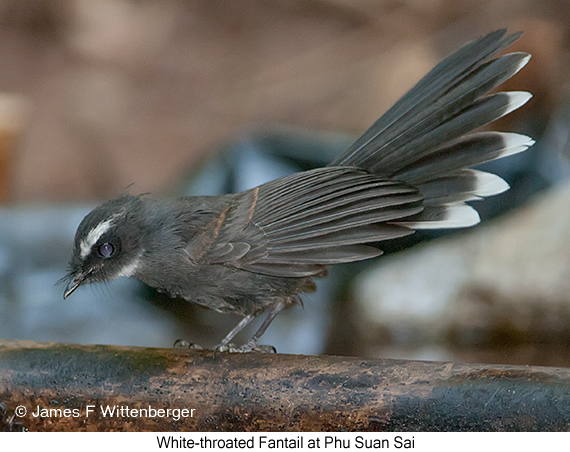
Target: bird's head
pixel 108 243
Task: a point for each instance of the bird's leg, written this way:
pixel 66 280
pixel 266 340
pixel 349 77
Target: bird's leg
pixel 223 345
pixel 252 346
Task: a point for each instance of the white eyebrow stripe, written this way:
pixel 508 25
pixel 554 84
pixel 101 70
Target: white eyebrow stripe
pixel 94 235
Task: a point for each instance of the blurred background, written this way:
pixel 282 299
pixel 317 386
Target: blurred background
pixel 181 97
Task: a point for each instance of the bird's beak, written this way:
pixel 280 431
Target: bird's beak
pixel 78 279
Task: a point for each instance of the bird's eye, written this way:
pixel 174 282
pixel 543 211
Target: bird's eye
pixel 106 249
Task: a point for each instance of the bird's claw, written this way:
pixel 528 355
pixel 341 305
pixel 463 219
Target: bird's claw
pixel 182 344
pixel 246 348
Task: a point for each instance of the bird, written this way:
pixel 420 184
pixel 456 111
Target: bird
pixel 257 251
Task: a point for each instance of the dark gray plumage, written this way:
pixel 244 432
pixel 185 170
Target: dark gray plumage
pixel 256 251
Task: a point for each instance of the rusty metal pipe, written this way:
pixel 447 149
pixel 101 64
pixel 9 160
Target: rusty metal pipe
pixel 268 392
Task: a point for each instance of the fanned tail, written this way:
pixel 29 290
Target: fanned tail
pixel 425 139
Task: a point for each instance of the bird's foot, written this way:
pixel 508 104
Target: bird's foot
pixel 246 348
pixel 181 343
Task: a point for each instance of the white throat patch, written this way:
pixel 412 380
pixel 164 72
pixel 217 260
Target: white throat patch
pixel 130 269
pixel 94 235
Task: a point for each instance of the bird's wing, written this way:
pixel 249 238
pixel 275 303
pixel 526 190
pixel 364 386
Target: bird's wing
pixel 409 171
pixel 295 225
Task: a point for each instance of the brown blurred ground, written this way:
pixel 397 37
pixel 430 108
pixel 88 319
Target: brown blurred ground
pixel 127 92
